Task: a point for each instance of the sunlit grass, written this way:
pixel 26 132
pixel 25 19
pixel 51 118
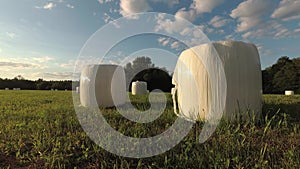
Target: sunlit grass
pixel 39 129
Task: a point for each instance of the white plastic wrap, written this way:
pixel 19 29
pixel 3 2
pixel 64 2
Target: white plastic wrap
pixel 139 88
pixel 102 86
pixel 289 92
pixel 198 91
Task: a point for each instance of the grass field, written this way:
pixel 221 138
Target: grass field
pixel 39 129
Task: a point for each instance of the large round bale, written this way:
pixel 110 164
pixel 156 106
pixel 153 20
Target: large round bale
pixel 77 89
pixel 289 92
pixel 139 88
pixel 102 86
pixel 242 70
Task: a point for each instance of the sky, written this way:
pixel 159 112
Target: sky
pixel 45 38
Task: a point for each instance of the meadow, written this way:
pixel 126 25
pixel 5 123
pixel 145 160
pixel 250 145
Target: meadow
pixel 39 129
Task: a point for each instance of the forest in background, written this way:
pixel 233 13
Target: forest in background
pixel 283 75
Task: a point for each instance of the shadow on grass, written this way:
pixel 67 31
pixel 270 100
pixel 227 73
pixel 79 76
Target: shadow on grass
pixel 291 110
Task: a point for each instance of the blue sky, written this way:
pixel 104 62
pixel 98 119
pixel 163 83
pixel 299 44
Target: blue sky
pixel 43 38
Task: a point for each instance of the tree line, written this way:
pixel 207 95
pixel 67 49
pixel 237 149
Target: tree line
pixel 142 69
pixel 40 84
pixel 283 75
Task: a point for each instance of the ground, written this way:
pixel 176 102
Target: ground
pixel 39 129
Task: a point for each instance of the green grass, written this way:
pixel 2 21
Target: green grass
pixel 39 129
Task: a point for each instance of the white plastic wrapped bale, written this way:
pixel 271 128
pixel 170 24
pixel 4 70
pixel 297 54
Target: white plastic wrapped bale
pixel 102 86
pixel 289 92
pixel 242 70
pixel 77 90
pixel 139 88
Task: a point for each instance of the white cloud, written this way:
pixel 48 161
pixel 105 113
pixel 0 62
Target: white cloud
pixel 230 37
pixel 8 65
pixel 282 33
pixel 262 50
pixel 43 59
pixel 197 8
pixel 170 3
pixel 48 6
pixel 250 13
pixel 269 29
pixel 218 22
pixel 70 6
pixel 295 31
pixel 177 25
pixel 129 7
pixel 175 45
pixel 104 1
pixel 70 64
pixel 259 33
pixel 164 41
pixel 56 75
pixel 11 35
pixel 107 18
pixel 287 10
pixel 203 6
pixel 188 15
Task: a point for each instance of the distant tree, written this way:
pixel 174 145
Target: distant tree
pixel 19 77
pixel 156 79
pixel 283 75
pixel 143 69
pixel 137 65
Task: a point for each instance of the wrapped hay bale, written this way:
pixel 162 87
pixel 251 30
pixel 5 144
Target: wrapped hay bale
pixel 139 88
pixel 242 70
pixel 102 86
pixel 77 90
pixel 289 93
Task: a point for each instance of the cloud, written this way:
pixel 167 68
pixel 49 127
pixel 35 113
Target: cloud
pixel 295 31
pixel 197 8
pixel 56 75
pixel 172 43
pixel 190 15
pixel 218 22
pixel 170 3
pixel 70 6
pixel 262 50
pixel 1 50
pixel 177 25
pixel 11 35
pixel 204 6
pixel 175 45
pixel 269 29
pixel 107 18
pixel 68 65
pixel 17 65
pixel 43 59
pixel 104 1
pixel 129 7
pixel 50 5
pixel 47 6
pixel 282 33
pixel 250 13
pixel 164 41
pixel 287 10
pixel 189 34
